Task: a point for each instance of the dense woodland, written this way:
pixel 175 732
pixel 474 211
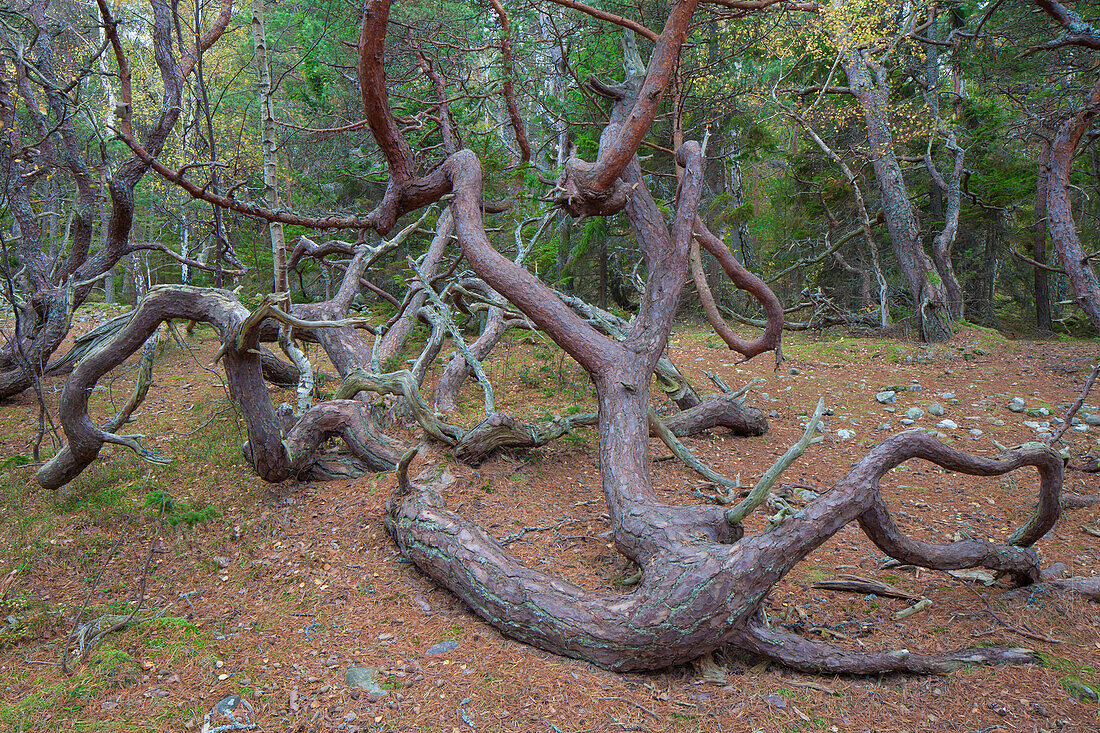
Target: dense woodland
pixel 966 100
pixel 387 178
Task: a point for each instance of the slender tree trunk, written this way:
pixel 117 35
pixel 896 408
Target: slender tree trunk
pixel 924 283
pixel 267 127
pixel 1039 238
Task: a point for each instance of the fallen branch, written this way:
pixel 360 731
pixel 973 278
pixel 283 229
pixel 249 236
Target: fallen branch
pixel 863 586
pixel 763 487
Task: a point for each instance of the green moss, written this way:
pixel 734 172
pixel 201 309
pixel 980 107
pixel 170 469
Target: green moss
pixel 115 668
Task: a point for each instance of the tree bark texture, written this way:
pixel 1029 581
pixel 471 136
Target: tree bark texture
pixel 924 282
pixel 1063 230
pixel 275 454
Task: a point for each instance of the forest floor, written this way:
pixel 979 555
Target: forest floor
pixel 273 592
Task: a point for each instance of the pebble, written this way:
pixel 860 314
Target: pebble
pixel 1093 418
pixel 887 397
pixel 947 425
pixel 362 678
pixel 975 432
pixel 906 421
pixel 1081 428
pixel 947 395
pixel 1016 407
pixel 883 426
pixel 233 708
pixel 1078 689
pixel 794 371
pixel 935 409
pixel 441 648
pixel 845 434
pixel 914 387
pixel 914 413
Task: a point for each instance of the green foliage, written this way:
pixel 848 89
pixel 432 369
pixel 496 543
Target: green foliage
pixel 15 461
pixel 176 512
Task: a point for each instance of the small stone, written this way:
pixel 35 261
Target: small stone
pixel 997 421
pixel 914 387
pixel 794 371
pixel 362 678
pixel 883 426
pixel 775 701
pixel 806 494
pixel 975 432
pixel 887 397
pixel 773 413
pixel 765 396
pixel 221 562
pixel 914 413
pixel 1018 401
pixel 935 409
pixel 1078 689
pixel 947 395
pixel 441 648
pixel 349 717
pixel 1081 428
pixel 1093 418
pixel 233 708
pixel 1015 407
pixel 891 410
pixel 906 421
pixel 845 434
pixel 947 425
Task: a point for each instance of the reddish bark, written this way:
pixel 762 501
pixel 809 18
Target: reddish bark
pixel 1063 231
pixel 275 454
pixel 750 283
pixel 698 592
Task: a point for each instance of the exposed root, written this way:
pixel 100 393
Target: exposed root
pixel 699 589
pixel 821 657
pixel 723 411
pixel 276 455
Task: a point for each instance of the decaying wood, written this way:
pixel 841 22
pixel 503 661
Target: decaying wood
pixel 856 584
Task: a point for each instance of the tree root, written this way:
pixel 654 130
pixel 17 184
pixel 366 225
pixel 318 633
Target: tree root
pixel 702 589
pixel 723 411
pixel 274 454
pixel 820 657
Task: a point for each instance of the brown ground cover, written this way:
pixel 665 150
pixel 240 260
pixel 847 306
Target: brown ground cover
pixel 272 592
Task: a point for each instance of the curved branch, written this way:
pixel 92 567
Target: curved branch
pixel 747 281
pixel 698 592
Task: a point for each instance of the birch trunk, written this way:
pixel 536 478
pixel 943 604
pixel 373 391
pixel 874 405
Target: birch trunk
pixel 271 167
